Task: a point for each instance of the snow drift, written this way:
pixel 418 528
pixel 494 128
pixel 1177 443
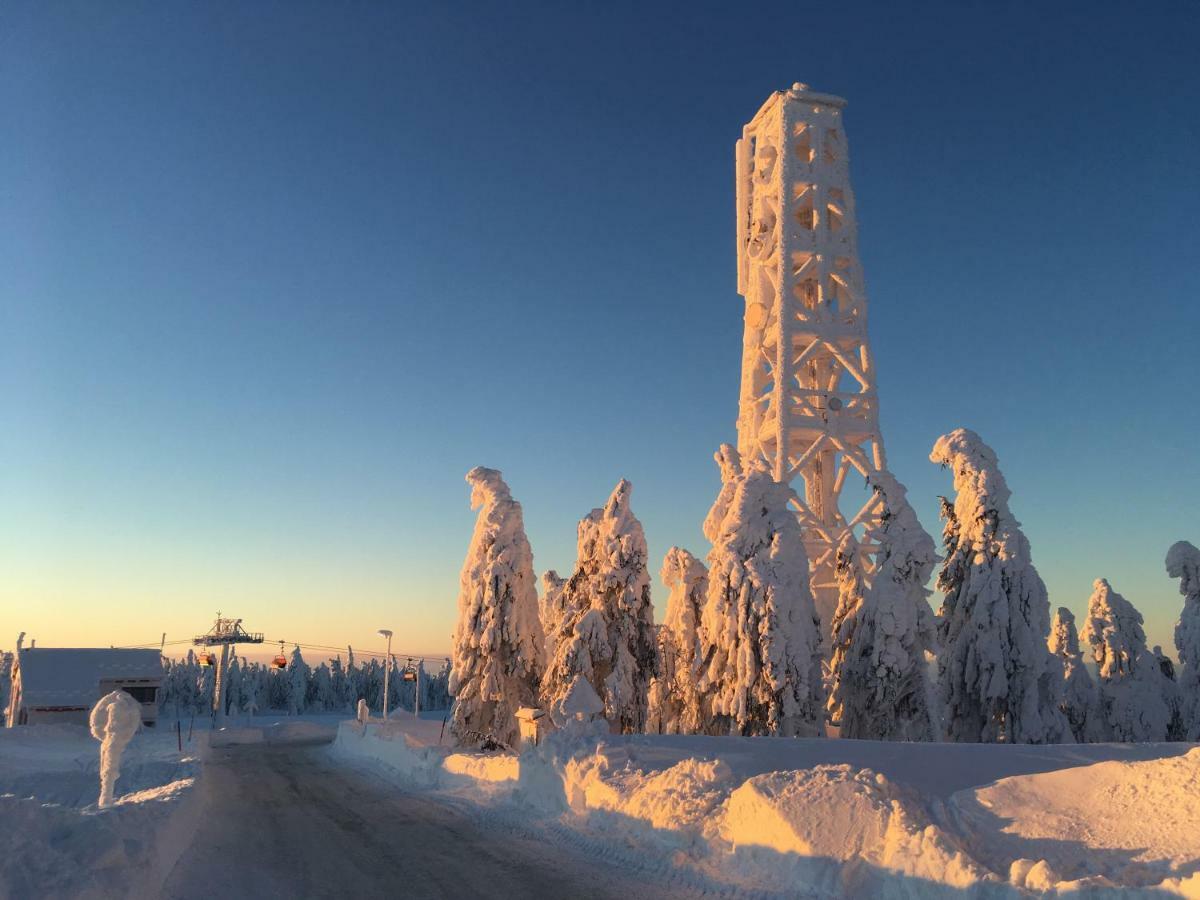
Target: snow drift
pixel 831 818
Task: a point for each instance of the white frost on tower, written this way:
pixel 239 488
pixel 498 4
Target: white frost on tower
pixel 880 678
pixel 674 692
pixel 808 406
pixel 498 639
pixel 1183 562
pixel 1079 703
pixel 997 679
pixel 607 631
pixel 1131 690
pixel 759 629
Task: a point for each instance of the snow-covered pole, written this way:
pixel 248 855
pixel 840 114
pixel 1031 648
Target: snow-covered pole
pixel 417 692
pixel 114 721
pixel 219 688
pixel 387 665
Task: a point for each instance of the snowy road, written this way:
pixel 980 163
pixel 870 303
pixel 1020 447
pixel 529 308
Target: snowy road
pixel 286 821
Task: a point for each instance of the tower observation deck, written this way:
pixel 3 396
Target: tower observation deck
pixel 808 403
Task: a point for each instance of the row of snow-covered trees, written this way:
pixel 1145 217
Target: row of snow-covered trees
pixel 252 687
pixel 1136 695
pixel 740 650
pixel 741 647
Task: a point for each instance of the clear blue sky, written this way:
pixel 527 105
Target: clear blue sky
pixel 273 277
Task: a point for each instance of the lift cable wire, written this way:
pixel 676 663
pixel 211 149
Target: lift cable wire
pixel 326 648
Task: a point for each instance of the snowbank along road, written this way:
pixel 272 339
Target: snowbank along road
pixel 286 821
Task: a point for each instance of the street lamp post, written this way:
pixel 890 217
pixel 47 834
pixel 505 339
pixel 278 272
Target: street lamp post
pixel 385 633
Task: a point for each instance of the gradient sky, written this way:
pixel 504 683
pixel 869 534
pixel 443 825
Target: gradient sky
pixel 273 277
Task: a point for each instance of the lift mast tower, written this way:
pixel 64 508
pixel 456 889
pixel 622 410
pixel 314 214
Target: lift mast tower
pixel 808 405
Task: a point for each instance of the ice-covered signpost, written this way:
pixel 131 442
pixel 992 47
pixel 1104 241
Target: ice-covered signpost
pixel 115 719
pixel 362 713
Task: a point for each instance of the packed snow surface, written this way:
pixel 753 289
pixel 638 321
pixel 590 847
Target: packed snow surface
pixel 831 818
pixel 56 841
pixel 1130 823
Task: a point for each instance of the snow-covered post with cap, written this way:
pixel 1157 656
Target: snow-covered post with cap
pixel 1183 562
pixel 760 635
pixel 496 666
pixel 997 679
pixel 114 721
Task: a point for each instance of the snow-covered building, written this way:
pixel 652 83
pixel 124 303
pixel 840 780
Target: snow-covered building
pixel 62 684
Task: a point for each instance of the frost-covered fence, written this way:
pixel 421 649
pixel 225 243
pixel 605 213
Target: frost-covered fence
pixel 331 687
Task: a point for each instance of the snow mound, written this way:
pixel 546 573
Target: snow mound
pixel 386 747
pixel 55 841
pixel 864 828
pixel 1128 824
pixel 483 767
pixel 683 797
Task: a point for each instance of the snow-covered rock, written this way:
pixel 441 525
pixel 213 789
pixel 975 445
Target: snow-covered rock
pixel 996 677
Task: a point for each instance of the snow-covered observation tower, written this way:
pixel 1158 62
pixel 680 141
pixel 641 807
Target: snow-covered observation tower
pixel 808 404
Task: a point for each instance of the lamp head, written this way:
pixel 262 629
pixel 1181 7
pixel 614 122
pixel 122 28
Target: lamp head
pixel 384 633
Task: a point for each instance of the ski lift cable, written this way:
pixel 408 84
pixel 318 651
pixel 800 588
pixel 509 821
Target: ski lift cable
pixel 376 653
pixel 151 645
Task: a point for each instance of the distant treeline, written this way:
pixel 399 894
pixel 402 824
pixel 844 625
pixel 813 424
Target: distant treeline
pixel 331 687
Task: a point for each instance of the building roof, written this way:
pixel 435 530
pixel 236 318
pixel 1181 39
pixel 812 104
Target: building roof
pixel 71 676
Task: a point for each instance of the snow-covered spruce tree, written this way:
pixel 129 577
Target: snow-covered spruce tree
pixel 881 681
pixel 606 634
pixel 1176 729
pixel 674 698
pixel 997 680
pixel 851 591
pixel 760 635
pixel 6 662
pixel 497 658
pixel 1131 684
pixel 551 613
pixel 1183 562
pixel 1080 703
pixel 297 683
pixel 233 684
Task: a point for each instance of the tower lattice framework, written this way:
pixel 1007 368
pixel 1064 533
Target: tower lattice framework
pixel 808 403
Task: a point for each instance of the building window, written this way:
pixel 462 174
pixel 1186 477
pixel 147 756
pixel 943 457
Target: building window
pixel 140 693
